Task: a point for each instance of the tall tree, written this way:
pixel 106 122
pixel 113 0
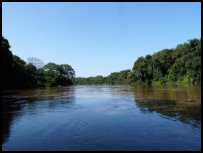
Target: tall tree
pixel 38 63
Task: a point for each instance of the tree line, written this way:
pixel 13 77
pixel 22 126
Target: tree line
pixel 18 74
pixel 179 65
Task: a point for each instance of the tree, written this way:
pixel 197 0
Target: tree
pixel 56 74
pixel 38 63
pixel 51 67
pixel 6 63
pixel 19 75
pixel 140 68
pixel 66 71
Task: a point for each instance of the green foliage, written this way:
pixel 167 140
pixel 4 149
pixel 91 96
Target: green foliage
pixel 58 74
pixel 19 75
pixel 179 65
pixel 187 68
pixel 114 78
pixel 182 64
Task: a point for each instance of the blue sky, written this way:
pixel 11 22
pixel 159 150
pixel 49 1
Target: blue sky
pixel 97 38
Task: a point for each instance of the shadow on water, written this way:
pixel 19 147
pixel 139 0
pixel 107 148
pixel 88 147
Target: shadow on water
pixel 16 103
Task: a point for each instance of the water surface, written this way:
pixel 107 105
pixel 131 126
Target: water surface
pixel 102 118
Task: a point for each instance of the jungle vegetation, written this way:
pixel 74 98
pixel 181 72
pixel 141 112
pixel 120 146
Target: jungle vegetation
pixel 179 65
pixel 18 74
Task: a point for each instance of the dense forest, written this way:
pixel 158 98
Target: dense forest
pixel 179 65
pixel 18 74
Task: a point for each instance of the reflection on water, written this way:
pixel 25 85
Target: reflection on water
pixel 175 102
pixel 18 102
pixel 102 118
pixel 190 114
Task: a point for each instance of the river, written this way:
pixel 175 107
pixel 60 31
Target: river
pixel 102 118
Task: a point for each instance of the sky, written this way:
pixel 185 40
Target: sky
pixel 97 38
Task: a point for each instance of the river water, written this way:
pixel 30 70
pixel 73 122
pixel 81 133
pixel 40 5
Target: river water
pixel 102 118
